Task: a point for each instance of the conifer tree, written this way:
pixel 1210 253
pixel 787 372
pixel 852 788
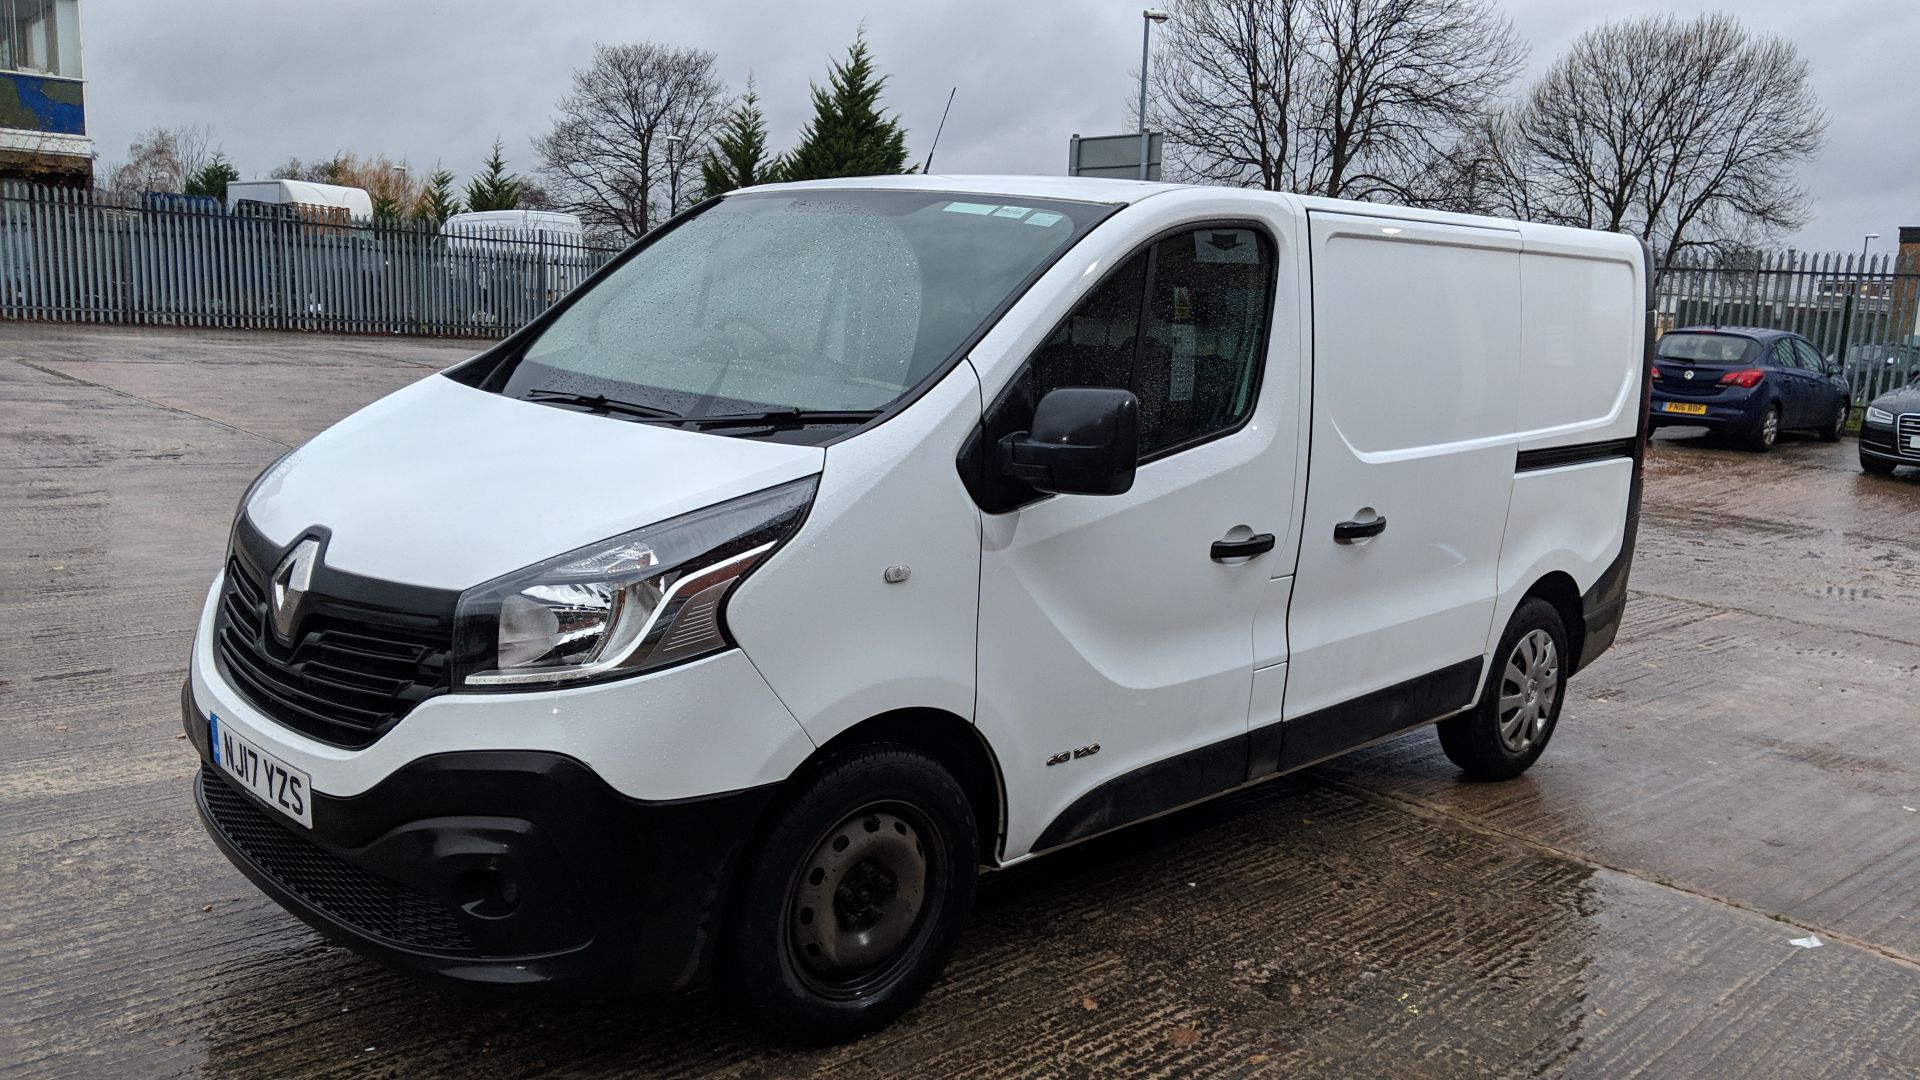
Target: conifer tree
pixel 739 157
pixel 213 177
pixel 496 188
pixel 437 201
pixel 849 135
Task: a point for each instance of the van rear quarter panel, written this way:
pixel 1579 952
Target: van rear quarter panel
pixel 1583 299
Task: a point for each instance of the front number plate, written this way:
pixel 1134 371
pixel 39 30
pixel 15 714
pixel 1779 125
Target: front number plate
pixel 1683 407
pixel 271 780
pixel 1913 442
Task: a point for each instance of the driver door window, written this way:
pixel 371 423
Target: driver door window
pixel 1182 324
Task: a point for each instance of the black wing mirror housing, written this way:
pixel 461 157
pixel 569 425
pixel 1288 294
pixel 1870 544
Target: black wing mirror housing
pixel 1085 441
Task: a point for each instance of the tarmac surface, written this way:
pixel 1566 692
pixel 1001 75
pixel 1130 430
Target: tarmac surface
pixel 1740 771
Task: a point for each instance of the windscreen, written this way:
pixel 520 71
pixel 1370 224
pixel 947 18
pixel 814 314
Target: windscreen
pixel 818 300
pixel 1707 348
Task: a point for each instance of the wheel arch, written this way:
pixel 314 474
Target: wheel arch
pixel 1558 588
pixel 948 739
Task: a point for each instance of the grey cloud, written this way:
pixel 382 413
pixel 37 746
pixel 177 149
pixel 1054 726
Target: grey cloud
pixel 435 81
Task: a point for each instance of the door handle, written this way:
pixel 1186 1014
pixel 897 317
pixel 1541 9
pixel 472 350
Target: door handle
pixel 1349 531
pixel 1257 544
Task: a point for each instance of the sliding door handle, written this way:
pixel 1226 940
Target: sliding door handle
pixel 1348 532
pixel 1257 544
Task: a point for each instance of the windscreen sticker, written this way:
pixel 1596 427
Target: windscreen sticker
pixel 968 208
pixel 1012 211
pixel 1043 218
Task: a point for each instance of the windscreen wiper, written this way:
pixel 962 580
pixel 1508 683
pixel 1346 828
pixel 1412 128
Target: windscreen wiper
pixel 784 418
pixel 600 403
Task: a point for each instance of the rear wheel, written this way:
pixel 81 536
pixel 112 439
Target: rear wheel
pixel 1764 434
pixel 1875 466
pixel 1505 734
pixel 854 902
pixel 1831 432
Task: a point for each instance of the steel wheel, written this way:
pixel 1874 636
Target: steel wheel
pixel 858 899
pixel 1528 687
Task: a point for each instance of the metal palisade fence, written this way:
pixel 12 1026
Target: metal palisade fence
pixel 1862 312
pixel 73 256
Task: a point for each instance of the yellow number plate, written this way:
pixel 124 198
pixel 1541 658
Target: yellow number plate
pixel 1683 407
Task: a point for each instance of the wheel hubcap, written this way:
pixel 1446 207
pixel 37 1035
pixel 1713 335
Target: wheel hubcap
pixel 1770 427
pixel 1528 686
pixel 859 896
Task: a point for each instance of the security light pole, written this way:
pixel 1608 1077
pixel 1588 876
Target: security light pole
pixel 1147 19
pixel 1870 238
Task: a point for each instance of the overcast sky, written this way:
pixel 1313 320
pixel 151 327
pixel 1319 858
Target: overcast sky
pixel 435 80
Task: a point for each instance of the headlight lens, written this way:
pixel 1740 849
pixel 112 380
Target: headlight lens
pixel 636 602
pixel 1879 417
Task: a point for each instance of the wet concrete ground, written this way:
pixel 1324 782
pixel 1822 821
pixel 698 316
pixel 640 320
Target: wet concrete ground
pixel 1743 769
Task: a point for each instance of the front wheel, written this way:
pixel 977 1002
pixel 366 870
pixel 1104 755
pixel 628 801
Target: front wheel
pixel 1501 737
pixel 853 903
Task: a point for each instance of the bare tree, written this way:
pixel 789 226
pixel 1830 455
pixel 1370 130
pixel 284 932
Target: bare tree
pixel 160 159
pixel 609 158
pixel 1348 98
pixel 1686 133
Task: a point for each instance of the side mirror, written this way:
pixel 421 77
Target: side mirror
pixel 1085 441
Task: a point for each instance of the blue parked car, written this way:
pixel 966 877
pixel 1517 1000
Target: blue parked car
pixel 1748 382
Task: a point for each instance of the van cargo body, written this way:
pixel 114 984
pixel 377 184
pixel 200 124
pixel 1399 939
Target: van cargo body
pixel 842 538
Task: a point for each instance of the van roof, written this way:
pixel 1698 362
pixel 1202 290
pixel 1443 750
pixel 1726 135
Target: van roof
pixel 1101 190
pixel 1075 188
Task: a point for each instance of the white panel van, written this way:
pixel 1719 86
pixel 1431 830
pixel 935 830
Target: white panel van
pixel 840 539
pixel 355 201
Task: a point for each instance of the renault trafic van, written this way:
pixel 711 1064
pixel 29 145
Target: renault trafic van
pixel 842 538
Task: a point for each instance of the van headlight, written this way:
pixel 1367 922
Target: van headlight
pixel 636 602
pixel 1879 417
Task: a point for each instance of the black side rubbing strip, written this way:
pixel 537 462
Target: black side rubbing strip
pixel 1553 457
pixel 1317 736
pixel 1150 789
pixel 1276 748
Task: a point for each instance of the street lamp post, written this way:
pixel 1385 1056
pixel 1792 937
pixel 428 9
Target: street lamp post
pixel 1870 238
pixel 1147 19
pixel 673 176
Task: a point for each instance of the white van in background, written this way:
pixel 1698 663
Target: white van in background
pixel 481 230
pixel 840 538
pixel 509 243
pixel 357 204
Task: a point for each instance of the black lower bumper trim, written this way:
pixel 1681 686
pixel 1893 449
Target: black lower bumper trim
pixel 492 868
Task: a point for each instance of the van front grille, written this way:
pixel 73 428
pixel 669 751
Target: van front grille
pixel 352 672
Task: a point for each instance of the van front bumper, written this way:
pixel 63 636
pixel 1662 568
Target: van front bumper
pixel 496 868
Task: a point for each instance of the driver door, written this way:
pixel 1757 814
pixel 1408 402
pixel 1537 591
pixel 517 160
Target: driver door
pixel 1116 651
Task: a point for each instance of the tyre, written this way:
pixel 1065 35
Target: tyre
pixel 1502 736
pixel 853 901
pixel 1831 432
pixel 1875 466
pixel 1761 437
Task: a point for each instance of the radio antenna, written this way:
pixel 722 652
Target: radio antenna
pixel 928 167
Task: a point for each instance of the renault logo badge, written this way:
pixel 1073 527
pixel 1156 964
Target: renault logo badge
pixel 289 587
